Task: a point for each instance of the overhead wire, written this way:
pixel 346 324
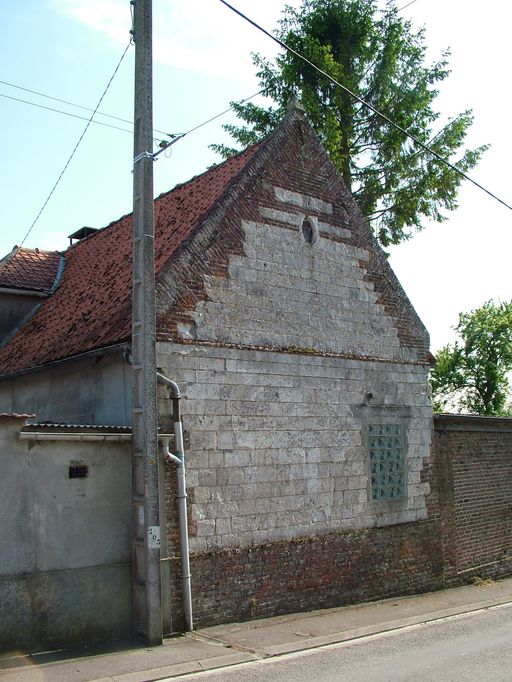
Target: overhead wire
pixel 200 125
pixel 71 104
pixel 407 5
pixel 366 104
pixel 77 144
pixel 66 113
pixel 175 136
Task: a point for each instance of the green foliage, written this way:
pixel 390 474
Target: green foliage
pixel 381 59
pixel 472 373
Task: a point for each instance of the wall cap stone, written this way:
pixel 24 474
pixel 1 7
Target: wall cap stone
pixel 471 422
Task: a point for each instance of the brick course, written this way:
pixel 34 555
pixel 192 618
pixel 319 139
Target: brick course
pixel 312 572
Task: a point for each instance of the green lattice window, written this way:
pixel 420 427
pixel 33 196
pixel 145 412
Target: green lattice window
pixel 386 461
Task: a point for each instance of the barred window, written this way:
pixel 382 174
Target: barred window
pixel 386 461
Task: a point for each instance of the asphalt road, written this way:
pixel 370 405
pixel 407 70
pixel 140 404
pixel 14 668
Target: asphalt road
pixel 476 647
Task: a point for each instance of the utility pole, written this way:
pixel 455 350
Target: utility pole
pixel 147 609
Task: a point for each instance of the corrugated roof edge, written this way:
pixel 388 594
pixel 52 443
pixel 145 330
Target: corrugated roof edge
pixel 15 415
pixel 51 426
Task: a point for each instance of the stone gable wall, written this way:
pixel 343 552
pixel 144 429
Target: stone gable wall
pixel 284 292
pixel 289 334
pixel 230 281
pixel 276 445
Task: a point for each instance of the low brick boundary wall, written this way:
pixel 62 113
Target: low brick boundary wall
pixel 474 462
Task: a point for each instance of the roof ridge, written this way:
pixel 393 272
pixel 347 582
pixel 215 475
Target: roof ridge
pixel 36 250
pixel 210 169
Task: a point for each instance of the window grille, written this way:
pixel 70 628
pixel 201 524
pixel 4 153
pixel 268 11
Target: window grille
pixel 386 461
pixel 78 471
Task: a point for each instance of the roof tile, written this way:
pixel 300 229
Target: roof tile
pixel 92 306
pixel 29 269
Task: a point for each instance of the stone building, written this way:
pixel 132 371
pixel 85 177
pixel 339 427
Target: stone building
pixel 304 370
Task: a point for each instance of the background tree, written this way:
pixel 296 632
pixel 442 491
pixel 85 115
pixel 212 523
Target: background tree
pixel 472 373
pixel 380 58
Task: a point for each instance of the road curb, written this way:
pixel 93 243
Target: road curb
pixel 180 669
pixel 248 655
pixel 388 626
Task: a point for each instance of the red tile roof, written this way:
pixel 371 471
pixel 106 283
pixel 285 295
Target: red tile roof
pixel 92 306
pixel 29 269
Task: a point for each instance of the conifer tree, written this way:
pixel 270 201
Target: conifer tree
pixel 381 58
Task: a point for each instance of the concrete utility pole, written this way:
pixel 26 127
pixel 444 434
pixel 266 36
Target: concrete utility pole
pixel 147 609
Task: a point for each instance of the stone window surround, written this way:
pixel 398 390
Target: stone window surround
pixel 385 414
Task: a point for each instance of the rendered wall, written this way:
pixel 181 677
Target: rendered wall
pixel 65 543
pixel 94 390
pixel 13 309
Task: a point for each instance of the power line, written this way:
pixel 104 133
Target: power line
pixel 90 120
pixel 71 104
pixel 226 111
pixel 407 5
pixel 200 125
pixel 66 113
pixel 175 137
pixel 366 104
pixel 77 144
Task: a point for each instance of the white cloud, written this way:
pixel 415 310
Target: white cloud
pixel 109 17
pixel 201 36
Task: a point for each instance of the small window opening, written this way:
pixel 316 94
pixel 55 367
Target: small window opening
pixel 78 471
pixel 309 230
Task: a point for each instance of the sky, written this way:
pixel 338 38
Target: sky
pixel 68 49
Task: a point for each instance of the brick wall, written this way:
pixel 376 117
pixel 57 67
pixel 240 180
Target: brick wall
pixel 309 573
pixel 474 459
pixel 316 572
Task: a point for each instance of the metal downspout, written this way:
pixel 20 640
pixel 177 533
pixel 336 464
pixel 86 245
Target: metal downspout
pixel 178 457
